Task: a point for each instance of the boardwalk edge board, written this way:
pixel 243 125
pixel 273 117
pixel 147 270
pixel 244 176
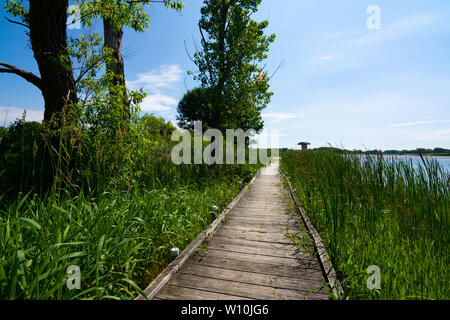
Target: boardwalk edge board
pixel 160 281
pixel 325 262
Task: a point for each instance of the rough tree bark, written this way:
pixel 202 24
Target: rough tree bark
pixel 47 32
pixel 47 23
pixel 113 40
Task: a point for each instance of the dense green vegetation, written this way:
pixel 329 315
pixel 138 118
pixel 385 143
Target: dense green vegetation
pixel 377 211
pixel 115 211
pixel 234 87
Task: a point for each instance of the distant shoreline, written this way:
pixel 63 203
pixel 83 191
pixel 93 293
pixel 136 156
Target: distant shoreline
pixel 436 152
pixel 424 154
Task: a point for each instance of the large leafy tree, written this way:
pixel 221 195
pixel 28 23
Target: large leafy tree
pixel 45 22
pixel 195 106
pixel 233 47
pixel 116 14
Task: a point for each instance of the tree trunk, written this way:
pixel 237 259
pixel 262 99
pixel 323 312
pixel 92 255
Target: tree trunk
pixel 218 97
pixel 113 40
pixel 47 22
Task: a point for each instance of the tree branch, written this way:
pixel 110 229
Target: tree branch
pixel 84 16
pixel 30 77
pixel 16 22
pixel 281 65
pixel 187 51
pixel 89 67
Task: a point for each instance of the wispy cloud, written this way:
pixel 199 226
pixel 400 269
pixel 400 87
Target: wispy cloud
pixel 159 84
pixel 9 114
pixel 278 117
pixel 416 123
pixel 158 102
pixel 162 78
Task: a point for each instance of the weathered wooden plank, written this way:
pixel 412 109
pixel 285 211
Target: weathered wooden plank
pixel 251 217
pixel 260 229
pixel 257 214
pixel 173 292
pixel 280 232
pixel 256 205
pixel 256 236
pixel 276 282
pixel 260 211
pixel 288 252
pixel 256 202
pixel 274 224
pixel 299 272
pixel 247 290
pixel 224 239
pixel 269 260
pixel 247 215
pixel 269 221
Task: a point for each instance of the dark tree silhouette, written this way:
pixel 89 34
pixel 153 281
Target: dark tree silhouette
pixel 46 21
pixel 195 106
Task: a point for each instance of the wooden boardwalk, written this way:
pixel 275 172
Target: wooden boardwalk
pixel 252 255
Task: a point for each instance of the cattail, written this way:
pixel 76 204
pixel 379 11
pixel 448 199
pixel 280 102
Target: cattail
pixel 35 149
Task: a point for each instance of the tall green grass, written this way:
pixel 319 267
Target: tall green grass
pixel 111 204
pixel 374 211
pixel 120 240
pixel 115 238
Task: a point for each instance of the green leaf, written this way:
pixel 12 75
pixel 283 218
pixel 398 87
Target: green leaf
pixel 31 222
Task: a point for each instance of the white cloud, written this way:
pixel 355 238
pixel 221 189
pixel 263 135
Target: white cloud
pixel 415 123
pixel 158 102
pixel 162 78
pixel 277 117
pixel 9 114
pixel 159 84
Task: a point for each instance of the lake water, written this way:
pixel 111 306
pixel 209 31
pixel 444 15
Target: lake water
pixel 443 161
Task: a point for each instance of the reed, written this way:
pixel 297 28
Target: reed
pixel 375 211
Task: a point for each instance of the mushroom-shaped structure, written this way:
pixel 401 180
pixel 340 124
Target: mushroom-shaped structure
pixel 304 145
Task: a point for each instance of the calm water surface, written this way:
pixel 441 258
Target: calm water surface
pixel 443 161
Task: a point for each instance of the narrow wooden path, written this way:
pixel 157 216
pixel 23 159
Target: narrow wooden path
pixel 252 255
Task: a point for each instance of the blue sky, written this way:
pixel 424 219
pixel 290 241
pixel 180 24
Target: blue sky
pixel 341 83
